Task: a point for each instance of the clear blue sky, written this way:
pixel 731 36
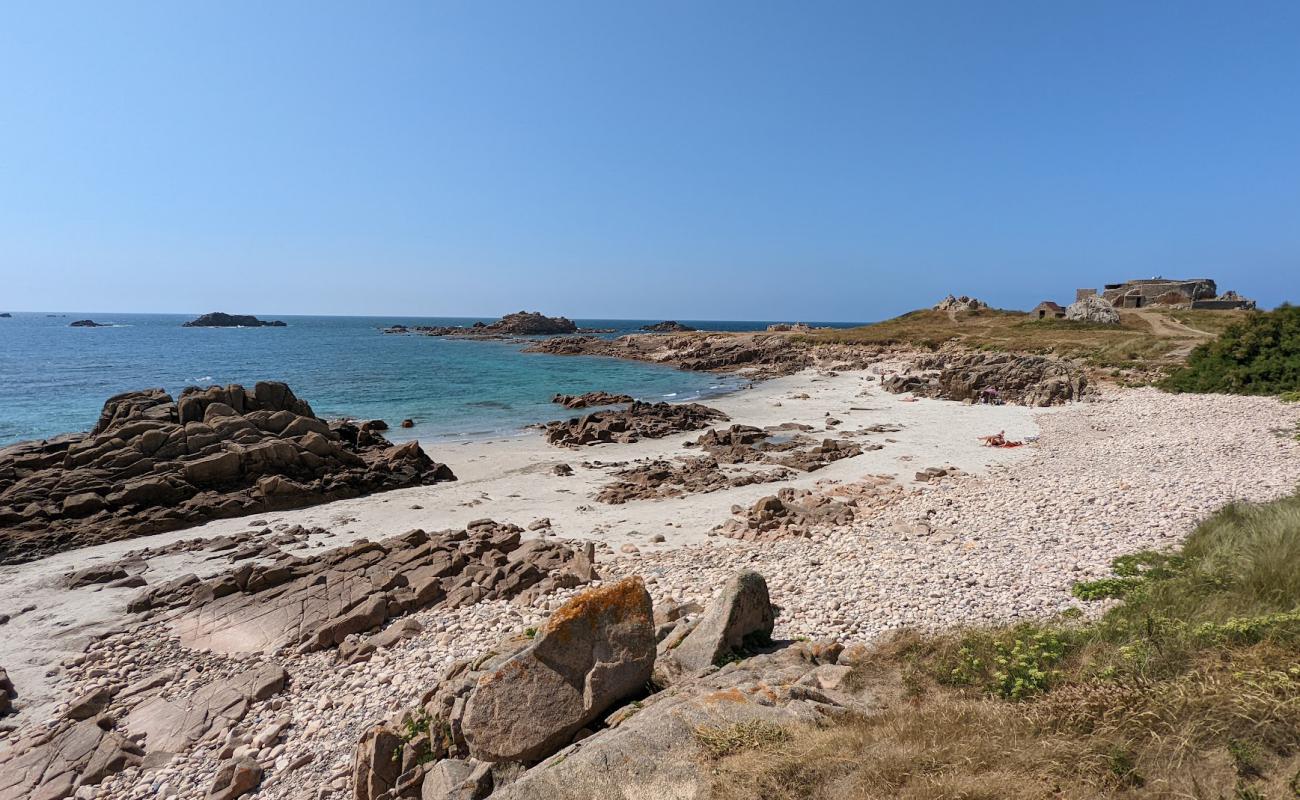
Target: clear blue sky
pixel 753 160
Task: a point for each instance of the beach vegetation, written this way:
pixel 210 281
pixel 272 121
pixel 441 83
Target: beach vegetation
pixel 1147 340
pixel 1259 354
pixel 1185 683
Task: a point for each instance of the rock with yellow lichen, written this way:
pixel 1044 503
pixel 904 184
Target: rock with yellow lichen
pixel 594 651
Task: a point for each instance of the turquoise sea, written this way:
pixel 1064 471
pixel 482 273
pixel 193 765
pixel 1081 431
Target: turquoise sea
pixel 54 378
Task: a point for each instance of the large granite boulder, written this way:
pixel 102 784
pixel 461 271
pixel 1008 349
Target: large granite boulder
pixel 517 703
pixel 1092 309
pixel 738 620
pixel 595 650
pixel 154 464
pixel 654 750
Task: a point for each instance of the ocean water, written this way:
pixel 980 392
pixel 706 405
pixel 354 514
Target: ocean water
pixel 54 378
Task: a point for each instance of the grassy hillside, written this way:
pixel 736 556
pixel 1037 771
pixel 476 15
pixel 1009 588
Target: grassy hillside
pixel 1149 338
pixel 1257 355
pixel 1188 687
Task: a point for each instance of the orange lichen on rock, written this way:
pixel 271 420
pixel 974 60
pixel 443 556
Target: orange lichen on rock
pixel 621 601
pixel 732 695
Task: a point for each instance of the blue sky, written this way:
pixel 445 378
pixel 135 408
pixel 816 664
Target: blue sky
pixel 750 160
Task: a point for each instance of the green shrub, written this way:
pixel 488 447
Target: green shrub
pixel 1259 355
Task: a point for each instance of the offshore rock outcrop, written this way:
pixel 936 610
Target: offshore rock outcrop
pixel 754 355
pixel 667 326
pixel 637 421
pixel 520 323
pixel 219 319
pixel 999 377
pixel 154 464
pixel 759 354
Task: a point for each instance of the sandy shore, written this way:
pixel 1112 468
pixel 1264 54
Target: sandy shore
pixel 1003 540
pixel 511 480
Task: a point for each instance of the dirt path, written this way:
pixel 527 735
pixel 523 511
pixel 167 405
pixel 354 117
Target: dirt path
pixel 1165 325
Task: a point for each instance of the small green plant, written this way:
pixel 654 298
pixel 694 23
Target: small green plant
pixel 1105 588
pixel 531 633
pixel 1245 758
pixel 1122 766
pixel 1244 792
pixel 1015 668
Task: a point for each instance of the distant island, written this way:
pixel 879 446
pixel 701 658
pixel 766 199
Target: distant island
pixel 218 319
pixel 6 315
pixel 521 323
pixel 668 326
pixel 86 323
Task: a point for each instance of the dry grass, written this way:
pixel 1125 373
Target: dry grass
pixel 1187 688
pixel 1151 338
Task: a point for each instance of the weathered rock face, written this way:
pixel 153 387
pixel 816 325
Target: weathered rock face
pixel 334 597
pixel 235 778
pixel 219 319
pixel 174 724
pixel 54 762
pixel 668 326
pixel 637 421
pixel 1092 309
pixel 518 703
pixel 595 650
pixel 742 616
pixel 81 750
pixel 1006 377
pixel 656 753
pixel 152 464
pixel 962 303
pixel 590 399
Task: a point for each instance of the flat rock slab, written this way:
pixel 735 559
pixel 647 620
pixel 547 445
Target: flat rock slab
pixel 52 764
pixel 173 725
pixel 317 603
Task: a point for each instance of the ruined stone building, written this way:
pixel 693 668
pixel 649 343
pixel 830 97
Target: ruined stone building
pixel 1192 293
